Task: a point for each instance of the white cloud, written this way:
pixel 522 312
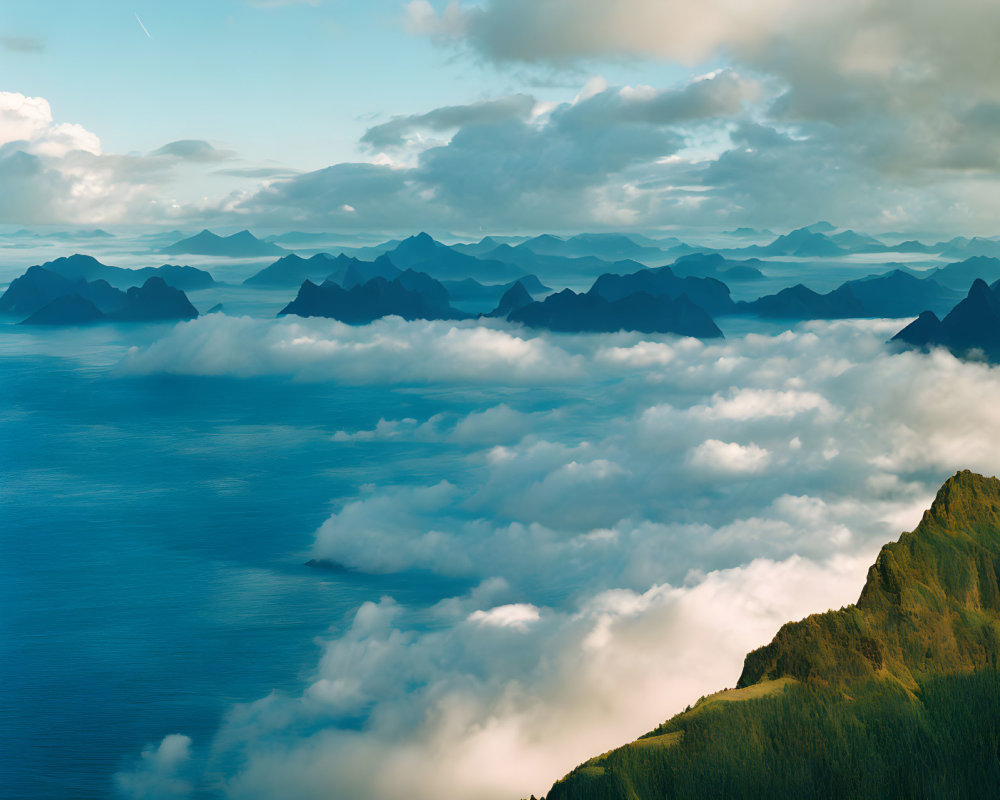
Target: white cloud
pixel 159 772
pixel 686 499
pixel 730 457
pixel 747 404
pixel 469 712
pixel 387 350
pixel 513 615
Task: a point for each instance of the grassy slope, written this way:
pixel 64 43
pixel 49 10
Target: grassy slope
pixel 896 696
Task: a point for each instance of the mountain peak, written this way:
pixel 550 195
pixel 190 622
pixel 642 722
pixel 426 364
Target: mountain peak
pixel 969 504
pixel 911 669
pixel 931 602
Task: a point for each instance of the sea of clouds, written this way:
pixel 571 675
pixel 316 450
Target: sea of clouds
pixel 634 513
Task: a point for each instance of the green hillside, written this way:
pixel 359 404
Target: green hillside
pixel 897 696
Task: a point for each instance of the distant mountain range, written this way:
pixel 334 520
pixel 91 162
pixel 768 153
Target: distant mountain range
pixel 960 275
pixel 893 294
pixel 893 697
pixel 650 301
pixel 240 245
pixel 713 265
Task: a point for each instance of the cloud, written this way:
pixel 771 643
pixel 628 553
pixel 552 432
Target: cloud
pixel 613 581
pixel 58 172
pixel 514 161
pixel 29 120
pixel 729 457
pixel 513 615
pixel 851 102
pixel 159 774
pixel 320 349
pixel 501 708
pixel 394 132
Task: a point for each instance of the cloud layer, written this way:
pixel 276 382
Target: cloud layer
pixel 625 549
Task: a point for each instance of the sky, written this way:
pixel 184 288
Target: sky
pixel 502 115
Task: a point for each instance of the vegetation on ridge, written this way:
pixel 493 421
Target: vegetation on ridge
pixel 897 696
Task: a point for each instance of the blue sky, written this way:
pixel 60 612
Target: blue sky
pixel 508 115
pixel 293 82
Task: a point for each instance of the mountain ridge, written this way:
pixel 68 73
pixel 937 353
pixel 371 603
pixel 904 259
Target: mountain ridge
pixel 893 696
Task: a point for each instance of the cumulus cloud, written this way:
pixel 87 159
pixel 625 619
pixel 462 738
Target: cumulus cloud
pixel 624 553
pixel 159 774
pixel 515 161
pixel 393 133
pixel 863 101
pixel 29 120
pixel 57 171
pixel 321 349
pixel 503 702
pixel 513 615
pixel 729 457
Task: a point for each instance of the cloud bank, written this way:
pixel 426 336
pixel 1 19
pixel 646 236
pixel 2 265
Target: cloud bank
pixel 624 550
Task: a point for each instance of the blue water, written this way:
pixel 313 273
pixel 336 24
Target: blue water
pixel 153 534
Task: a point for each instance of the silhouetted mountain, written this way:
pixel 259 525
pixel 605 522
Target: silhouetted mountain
pixel 799 302
pixel 894 294
pixel 432 291
pixel 900 294
pixel 155 301
pixel 569 312
pixel 38 287
pixel 291 270
pixel 187 279
pixel 307 239
pixel 486 244
pixel 524 260
pixel 856 242
pixel 749 233
pixel 894 697
pixel 709 293
pixel 240 245
pixel 820 227
pixel 370 301
pixel 424 254
pixel 606 246
pixel 960 247
pixel 972 325
pixel 471 290
pixel 713 265
pixel 81 302
pixel 514 298
pixel 357 272
pixel 961 274
pixel 68 309
pixel 802 243
pixel 912 246
pixel 82 267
